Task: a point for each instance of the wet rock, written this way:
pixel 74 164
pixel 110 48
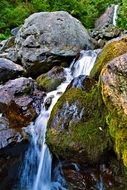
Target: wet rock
pixel 9 70
pixel 106 19
pixel 11 158
pixel 82 82
pixel 92 177
pixel 52 79
pixel 48 102
pixel 111 50
pixel 49 38
pixel 77 125
pixel 20 101
pixel 114 92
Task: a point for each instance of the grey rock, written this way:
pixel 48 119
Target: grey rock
pixel 105 19
pixel 12 54
pixel 14 31
pixel 9 70
pixel 47 38
pixel 7 44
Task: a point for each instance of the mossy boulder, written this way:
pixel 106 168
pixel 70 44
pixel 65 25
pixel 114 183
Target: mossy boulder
pixel 111 50
pixel 113 80
pixel 52 79
pixel 77 127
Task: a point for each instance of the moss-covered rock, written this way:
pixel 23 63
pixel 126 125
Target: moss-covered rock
pixel 77 126
pixel 52 79
pixel 114 92
pixel 111 50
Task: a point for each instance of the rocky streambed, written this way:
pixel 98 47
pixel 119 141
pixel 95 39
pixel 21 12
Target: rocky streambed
pixel 87 126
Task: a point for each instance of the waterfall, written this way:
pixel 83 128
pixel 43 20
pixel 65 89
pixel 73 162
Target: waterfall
pixel 115 14
pixel 36 172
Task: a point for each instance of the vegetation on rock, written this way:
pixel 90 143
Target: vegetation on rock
pixel 79 138
pixel 114 93
pixel 111 50
pixel 52 79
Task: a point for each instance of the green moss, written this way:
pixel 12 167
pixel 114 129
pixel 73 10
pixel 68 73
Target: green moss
pixel 47 83
pixel 87 136
pixel 117 122
pixel 109 52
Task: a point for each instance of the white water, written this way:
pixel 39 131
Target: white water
pixel 37 169
pixel 115 14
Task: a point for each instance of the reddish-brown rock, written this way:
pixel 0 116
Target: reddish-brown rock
pixel 20 101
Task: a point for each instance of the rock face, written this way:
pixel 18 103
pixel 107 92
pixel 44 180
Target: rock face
pixel 77 126
pixel 106 19
pixel 114 92
pixel 9 70
pixel 111 50
pixel 7 135
pixel 20 101
pixel 49 38
pixel 51 80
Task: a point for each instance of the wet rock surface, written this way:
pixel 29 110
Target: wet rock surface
pixel 11 159
pixel 20 101
pixel 101 176
pixel 82 82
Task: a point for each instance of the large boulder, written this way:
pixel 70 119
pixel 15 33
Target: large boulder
pixel 111 50
pixel 49 38
pixel 9 70
pixel 20 101
pixel 114 92
pixel 77 125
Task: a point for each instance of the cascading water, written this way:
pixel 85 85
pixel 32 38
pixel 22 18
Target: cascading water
pixel 36 172
pixel 115 14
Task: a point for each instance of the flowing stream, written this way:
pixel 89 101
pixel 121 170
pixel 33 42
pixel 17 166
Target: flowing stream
pixel 115 14
pixel 37 172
